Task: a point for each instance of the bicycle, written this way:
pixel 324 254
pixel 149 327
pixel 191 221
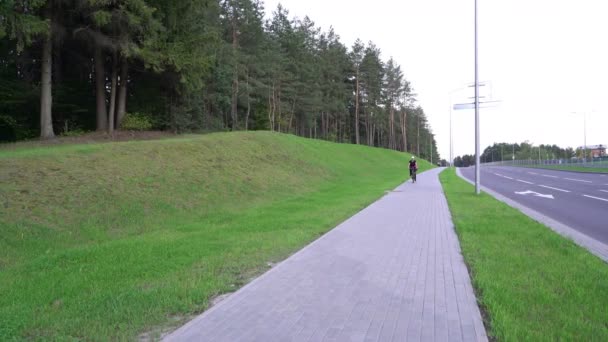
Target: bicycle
pixel 413 175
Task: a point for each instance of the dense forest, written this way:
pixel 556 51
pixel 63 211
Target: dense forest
pixel 73 66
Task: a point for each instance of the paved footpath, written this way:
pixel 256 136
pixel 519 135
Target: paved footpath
pixel 392 272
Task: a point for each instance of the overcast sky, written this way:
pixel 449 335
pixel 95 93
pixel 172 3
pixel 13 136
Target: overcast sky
pixel 544 59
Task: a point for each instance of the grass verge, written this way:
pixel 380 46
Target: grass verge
pixel 534 284
pixel 106 241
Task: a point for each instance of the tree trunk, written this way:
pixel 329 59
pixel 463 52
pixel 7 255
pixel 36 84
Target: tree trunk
pixel 418 138
pixel 403 129
pixel 270 96
pixel 368 129
pixel 293 109
pixel 365 126
pixel 391 135
pixel 357 110
pixel 235 97
pixel 100 89
pixel 46 97
pixel 278 104
pixel 248 102
pixel 273 107
pixel 373 135
pixel 235 71
pixel 112 111
pixel 122 92
pixel 336 128
pixel 323 126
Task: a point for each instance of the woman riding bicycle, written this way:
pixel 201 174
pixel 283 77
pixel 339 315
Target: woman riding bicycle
pixel 413 169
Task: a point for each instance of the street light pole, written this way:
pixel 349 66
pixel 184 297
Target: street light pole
pixel 585 135
pixel 513 157
pixel 477 166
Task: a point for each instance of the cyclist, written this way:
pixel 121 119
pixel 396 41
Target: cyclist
pixel 413 169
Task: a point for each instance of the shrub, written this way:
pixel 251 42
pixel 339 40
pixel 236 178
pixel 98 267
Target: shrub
pixel 8 128
pixel 136 122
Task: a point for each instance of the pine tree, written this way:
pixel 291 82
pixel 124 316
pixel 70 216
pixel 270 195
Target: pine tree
pixel 356 56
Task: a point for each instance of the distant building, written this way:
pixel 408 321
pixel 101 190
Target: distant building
pixel 596 151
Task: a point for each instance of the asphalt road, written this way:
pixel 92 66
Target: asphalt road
pixel 578 200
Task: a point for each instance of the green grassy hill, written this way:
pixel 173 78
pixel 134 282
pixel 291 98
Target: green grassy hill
pixel 107 241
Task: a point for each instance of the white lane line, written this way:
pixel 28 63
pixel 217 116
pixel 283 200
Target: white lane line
pixel 508 177
pixel 523 181
pixel 597 198
pixel 499 175
pixel 533 173
pixel 604 190
pixel 578 180
pixel 558 189
pixel 549 176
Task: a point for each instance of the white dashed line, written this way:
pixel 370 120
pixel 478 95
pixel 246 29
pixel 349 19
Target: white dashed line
pixel 533 173
pixel 549 176
pixel 604 190
pixel 508 177
pixel 523 181
pixel 549 187
pixel 597 198
pixel 578 180
pixel 499 175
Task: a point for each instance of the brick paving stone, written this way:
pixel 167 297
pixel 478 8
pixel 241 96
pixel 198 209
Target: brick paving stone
pixel 392 272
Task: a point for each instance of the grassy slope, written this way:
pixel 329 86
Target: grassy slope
pixel 105 241
pixel 534 284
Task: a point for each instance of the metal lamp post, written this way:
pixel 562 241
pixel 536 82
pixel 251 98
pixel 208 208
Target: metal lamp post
pixel 584 135
pixel 477 166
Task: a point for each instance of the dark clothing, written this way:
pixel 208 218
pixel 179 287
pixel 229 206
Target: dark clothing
pixel 413 167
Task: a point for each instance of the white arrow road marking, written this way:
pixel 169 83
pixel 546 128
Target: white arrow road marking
pixel 597 198
pixel 529 192
pixel 578 180
pixel 549 176
pixel 562 190
pixel 523 181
